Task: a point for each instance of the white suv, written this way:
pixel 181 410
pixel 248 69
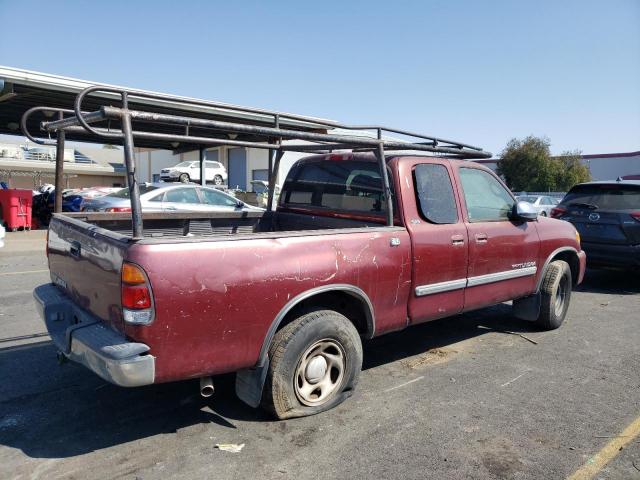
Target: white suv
pixel 190 172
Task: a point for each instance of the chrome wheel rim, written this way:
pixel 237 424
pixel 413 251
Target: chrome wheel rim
pixel 319 372
pixel 561 297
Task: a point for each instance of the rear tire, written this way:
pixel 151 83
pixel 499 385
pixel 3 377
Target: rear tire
pixel 315 363
pixel 555 295
pixel 184 178
pixel 217 180
pixel 543 213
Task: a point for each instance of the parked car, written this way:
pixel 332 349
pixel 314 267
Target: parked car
pixel 2 234
pixel 542 203
pixel 285 298
pixel 162 197
pixel 607 215
pixel 190 172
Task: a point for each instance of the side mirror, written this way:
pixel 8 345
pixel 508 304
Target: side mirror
pixel 524 211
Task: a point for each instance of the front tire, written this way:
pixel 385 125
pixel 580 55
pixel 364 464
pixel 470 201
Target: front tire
pixel 184 178
pixel 315 362
pixel 555 295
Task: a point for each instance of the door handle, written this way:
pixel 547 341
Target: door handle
pixel 457 240
pixel 481 238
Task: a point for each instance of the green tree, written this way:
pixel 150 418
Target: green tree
pixel 527 165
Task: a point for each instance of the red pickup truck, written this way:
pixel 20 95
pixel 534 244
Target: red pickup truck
pixel 285 298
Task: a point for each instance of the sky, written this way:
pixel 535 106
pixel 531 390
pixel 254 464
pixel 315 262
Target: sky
pixel 480 72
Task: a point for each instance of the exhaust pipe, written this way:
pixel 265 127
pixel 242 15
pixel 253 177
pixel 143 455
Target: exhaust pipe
pixel 206 387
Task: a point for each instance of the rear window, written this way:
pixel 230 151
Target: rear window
pixel 350 185
pixel 605 197
pixel 124 193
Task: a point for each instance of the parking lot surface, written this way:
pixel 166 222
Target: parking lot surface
pixel 454 398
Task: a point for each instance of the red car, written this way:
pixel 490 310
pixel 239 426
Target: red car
pixel 286 298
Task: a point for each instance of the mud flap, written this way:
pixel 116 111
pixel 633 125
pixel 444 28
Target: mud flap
pixel 527 308
pixel 250 382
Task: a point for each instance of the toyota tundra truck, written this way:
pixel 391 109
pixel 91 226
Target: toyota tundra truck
pixel 286 298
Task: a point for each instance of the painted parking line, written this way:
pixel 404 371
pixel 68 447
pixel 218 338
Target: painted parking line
pixel 608 453
pixel 25 272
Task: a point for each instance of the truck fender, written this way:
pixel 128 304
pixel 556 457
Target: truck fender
pixel 528 308
pixel 250 381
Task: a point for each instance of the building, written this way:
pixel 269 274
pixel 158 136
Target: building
pixel 27 165
pixel 603 166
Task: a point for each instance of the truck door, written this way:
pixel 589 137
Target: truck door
pixel 438 239
pixel 502 252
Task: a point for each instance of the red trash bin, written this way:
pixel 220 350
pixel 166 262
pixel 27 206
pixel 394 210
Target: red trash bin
pixel 15 205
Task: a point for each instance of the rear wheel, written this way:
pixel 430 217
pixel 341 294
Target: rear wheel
pixel 217 180
pixel 555 295
pixel 184 178
pixel 314 365
pixel 543 213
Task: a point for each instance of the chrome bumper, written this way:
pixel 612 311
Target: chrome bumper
pixel 83 338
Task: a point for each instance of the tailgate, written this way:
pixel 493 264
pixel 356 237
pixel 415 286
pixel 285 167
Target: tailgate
pixel 85 262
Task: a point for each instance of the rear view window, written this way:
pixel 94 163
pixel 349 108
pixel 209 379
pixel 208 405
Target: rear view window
pixel 606 197
pixel 124 193
pixel 435 193
pixel 336 185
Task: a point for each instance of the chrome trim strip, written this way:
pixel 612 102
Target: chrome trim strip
pixel 440 287
pixel 499 276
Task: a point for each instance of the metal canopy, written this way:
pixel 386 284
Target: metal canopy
pixel 21 90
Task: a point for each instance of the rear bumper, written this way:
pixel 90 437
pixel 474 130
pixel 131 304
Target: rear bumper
pixel 615 256
pixel 83 338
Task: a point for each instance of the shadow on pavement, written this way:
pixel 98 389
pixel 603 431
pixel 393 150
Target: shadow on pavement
pixel 616 282
pixel 51 411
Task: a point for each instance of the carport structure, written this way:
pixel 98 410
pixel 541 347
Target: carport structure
pixel 107 114
pixel 22 90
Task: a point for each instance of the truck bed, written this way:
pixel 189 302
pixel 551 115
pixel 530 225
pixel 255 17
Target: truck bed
pixel 187 225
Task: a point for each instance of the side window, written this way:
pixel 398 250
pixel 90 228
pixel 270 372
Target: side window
pixel 157 198
pixel 435 193
pixel 211 197
pixel 182 195
pixel 487 200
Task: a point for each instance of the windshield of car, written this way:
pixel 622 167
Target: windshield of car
pixel 183 164
pixel 527 199
pixel 609 197
pixel 124 193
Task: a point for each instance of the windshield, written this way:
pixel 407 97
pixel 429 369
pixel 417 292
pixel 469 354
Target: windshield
pixel 527 199
pixel 183 164
pixel 609 197
pixel 124 193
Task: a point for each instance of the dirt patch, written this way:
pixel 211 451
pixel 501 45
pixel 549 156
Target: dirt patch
pixel 430 357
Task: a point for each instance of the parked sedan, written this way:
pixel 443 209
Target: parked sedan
pixel 542 203
pixel 607 216
pixel 190 172
pixel 160 197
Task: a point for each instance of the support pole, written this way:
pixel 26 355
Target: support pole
pixel 130 164
pixel 385 179
pixel 203 167
pixel 59 169
pixel 273 180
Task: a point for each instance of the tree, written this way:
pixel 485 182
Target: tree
pixel 527 165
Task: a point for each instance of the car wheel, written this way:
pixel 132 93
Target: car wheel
pixel 543 213
pixel 555 295
pixel 315 363
pixel 217 180
pixel 184 178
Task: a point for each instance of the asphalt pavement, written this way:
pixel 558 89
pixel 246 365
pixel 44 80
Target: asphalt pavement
pixel 456 398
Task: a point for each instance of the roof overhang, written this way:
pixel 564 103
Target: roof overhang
pixel 21 90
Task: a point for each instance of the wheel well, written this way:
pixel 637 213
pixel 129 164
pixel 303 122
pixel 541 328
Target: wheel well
pixel 572 259
pixel 351 306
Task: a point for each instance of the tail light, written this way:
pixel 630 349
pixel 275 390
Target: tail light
pixel 118 209
pixel 635 216
pixel 137 300
pixel 557 212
